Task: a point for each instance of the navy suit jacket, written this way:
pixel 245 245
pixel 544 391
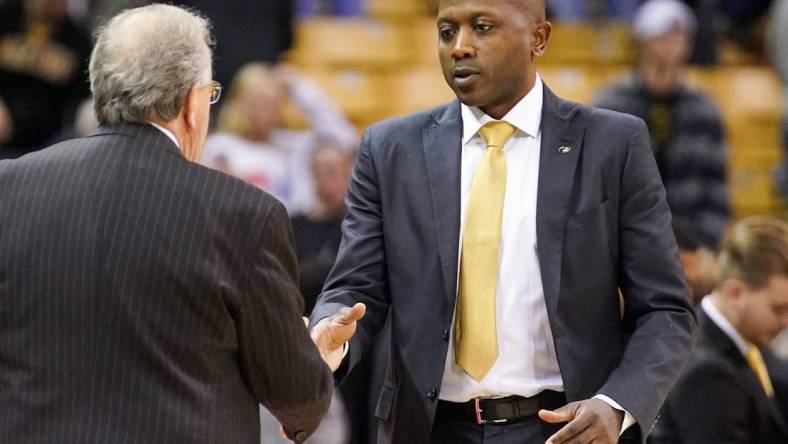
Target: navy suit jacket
pixel 602 225
pixel 718 398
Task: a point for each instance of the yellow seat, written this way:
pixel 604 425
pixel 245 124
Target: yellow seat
pixel 572 43
pixel 349 43
pixel 578 83
pixel 419 89
pixel 396 10
pixel 356 92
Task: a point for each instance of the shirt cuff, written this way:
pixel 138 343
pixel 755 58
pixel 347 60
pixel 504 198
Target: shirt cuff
pixel 629 420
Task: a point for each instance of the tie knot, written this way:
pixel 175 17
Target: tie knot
pixel 496 133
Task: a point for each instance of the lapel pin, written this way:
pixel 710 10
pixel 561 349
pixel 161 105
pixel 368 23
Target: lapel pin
pixel 564 149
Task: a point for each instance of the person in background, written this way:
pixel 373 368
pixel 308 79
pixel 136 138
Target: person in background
pixel 43 57
pixel 318 232
pixel 687 133
pixel 251 144
pixel 726 394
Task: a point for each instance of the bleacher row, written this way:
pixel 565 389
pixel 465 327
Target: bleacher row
pixel 386 65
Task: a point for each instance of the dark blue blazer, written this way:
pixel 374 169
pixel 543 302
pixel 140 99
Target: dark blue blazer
pixel 602 225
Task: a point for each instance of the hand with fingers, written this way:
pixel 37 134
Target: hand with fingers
pixel 589 421
pixel 331 333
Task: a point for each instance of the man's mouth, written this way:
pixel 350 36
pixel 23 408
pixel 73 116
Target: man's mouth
pixel 464 77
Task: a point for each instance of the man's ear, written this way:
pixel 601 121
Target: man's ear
pixel 190 106
pixel 541 36
pixel 734 289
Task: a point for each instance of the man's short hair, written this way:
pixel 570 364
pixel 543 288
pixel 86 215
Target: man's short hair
pixel 755 249
pixel 146 60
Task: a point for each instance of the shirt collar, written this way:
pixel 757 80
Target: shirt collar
pixel 167 133
pixel 719 319
pixel 526 115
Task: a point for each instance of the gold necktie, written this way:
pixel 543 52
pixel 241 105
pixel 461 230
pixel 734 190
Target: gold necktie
pixel 475 336
pixel 755 359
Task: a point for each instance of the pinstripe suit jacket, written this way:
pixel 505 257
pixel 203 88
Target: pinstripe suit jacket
pixel 144 298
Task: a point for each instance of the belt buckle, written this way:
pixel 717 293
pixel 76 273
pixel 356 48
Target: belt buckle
pixel 478 410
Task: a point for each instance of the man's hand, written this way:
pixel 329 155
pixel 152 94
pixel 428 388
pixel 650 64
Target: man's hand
pixel 331 333
pixel 592 420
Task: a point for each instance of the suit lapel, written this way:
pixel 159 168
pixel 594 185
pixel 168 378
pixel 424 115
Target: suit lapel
pixel 442 146
pixel 562 133
pixel 715 338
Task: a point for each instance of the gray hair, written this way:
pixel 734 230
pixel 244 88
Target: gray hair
pixel 146 60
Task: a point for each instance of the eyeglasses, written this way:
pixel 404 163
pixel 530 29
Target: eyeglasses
pixel 216 91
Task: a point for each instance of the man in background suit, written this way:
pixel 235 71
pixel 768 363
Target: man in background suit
pixel 523 214
pixel 145 298
pixel 726 394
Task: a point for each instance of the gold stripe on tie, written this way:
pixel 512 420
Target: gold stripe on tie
pixel 755 359
pixel 475 336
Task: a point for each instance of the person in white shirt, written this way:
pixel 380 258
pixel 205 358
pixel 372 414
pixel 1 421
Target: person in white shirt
pixel 251 144
pixel 495 233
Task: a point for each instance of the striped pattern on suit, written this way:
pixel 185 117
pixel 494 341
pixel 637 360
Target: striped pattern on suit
pixel 144 298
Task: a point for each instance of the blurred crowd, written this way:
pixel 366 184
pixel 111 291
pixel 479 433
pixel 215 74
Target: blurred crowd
pixel 44 97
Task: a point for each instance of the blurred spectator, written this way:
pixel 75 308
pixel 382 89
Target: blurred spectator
pixel 685 125
pixel 251 144
pixel 726 394
pixel 337 8
pixel 43 58
pixel 778 50
pixel 318 232
pixel 247 31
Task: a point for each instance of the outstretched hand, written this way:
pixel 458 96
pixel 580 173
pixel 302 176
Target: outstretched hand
pixel 331 333
pixel 591 420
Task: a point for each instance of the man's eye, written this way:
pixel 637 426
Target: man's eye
pixel 446 34
pixel 482 27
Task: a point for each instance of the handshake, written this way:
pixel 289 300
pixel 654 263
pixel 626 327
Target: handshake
pixel 332 333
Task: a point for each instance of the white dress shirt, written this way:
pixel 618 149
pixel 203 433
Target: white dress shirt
pixel 527 362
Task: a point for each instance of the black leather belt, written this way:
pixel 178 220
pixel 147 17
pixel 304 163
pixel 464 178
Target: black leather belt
pixel 499 410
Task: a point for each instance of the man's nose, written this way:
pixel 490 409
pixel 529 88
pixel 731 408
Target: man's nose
pixel 463 46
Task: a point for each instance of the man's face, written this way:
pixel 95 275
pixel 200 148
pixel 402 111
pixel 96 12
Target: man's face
pixel 670 50
pixel 764 313
pixel 262 103
pixel 487 50
pixel 331 170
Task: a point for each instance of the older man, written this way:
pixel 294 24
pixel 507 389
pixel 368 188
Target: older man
pixel 146 298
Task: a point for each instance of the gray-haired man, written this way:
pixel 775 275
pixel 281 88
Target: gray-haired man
pixel 144 298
